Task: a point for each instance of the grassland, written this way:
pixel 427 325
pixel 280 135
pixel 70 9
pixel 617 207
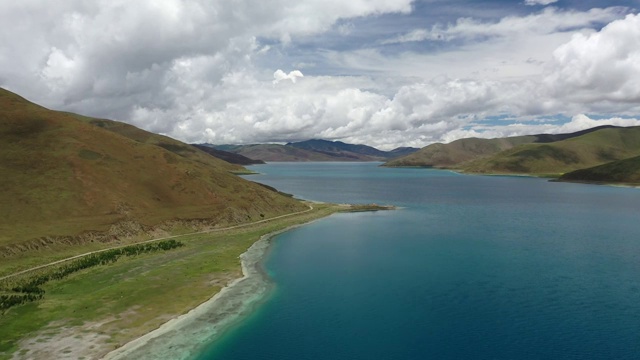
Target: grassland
pixel 118 302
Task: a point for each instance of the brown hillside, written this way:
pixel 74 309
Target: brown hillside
pixel 65 174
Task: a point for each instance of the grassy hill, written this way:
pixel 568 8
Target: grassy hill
pixel 457 152
pixel 625 171
pixel 542 154
pixel 71 179
pixel 556 158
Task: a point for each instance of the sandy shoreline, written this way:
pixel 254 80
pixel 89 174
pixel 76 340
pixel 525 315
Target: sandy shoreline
pixel 184 337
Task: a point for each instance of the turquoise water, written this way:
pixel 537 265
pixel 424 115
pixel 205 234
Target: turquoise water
pixel 472 267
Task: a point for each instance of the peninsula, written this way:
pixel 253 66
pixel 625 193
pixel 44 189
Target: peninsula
pixel 109 231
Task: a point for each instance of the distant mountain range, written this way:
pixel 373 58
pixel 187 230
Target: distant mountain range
pixel 68 178
pixel 602 154
pixel 228 156
pixel 314 150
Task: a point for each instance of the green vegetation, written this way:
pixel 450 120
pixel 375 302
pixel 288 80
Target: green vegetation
pixel 29 288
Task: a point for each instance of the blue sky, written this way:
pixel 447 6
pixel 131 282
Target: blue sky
pixel 399 73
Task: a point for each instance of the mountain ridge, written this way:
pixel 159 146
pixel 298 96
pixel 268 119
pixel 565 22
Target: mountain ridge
pixel 314 150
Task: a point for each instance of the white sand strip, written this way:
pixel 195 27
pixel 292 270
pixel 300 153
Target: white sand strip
pixel 185 336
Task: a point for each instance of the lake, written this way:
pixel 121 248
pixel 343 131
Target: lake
pixel 470 267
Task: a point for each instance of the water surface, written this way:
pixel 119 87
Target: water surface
pixel 472 267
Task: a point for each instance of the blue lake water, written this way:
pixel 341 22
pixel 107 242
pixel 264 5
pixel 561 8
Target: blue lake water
pixel 472 267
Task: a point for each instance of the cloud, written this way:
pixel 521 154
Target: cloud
pixel 539 2
pixel 280 75
pixel 600 69
pixel 577 123
pixel 107 57
pixel 547 21
pixel 210 71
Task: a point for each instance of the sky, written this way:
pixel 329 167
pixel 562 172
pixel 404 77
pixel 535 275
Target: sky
pixel 386 73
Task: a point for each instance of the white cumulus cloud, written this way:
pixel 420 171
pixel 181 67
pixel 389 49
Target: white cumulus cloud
pixel 280 75
pixel 600 69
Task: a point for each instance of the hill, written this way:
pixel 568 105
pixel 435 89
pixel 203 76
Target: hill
pixel 70 179
pixel 457 152
pixel 227 156
pixel 165 142
pixel 590 149
pixel 625 171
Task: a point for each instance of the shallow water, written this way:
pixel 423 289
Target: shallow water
pixel 472 267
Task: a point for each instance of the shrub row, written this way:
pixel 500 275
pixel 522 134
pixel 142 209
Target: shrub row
pixel 7 301
pixel 30 289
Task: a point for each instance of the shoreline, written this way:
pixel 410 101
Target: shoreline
pixel 185 336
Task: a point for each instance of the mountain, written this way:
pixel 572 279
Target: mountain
pixel 457 152
pixel 276 152
pixel 625 171
pixel 71 178
pixel 314 150
pixel 227 156
pixel 341 150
